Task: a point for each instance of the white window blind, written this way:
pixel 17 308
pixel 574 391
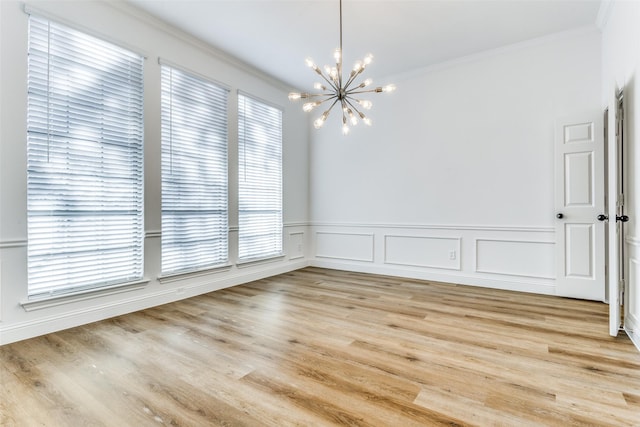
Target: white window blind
pixel 260 179
pixel 84 161
pixel 194 172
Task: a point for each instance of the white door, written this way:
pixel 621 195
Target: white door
pixel 616 227
pixel 579 199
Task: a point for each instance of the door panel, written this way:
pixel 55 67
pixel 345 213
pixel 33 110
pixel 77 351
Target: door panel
pixel 578 179
pixel 579 200
pixel 579 250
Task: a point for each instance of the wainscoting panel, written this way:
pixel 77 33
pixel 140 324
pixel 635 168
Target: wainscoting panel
pixel 417 251
pixel 632 299
pixel 515 258
pixel 296 245
pixel 345 246
pixel 634 296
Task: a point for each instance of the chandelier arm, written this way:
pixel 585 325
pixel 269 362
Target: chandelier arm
pixel 329 99
pixel 331 83
pixel 352 78
pixel 332 105
pixel 354 107
pixel 354 91
pixel 315 95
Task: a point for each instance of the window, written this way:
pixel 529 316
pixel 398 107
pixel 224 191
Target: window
pixel 84 161
pixel 260 179
pixel 194 172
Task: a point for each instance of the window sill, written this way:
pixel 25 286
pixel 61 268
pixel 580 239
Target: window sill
pixel 61 299
pixel 255 261
pixel 174 277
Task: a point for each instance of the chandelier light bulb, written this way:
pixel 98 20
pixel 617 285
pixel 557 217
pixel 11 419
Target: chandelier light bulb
pixel 340 90
pixel 334 74
pixel 309 106
pixel 353 118
pixel 337 55
pixel 345 129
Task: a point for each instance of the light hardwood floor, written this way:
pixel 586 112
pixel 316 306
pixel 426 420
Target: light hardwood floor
pixel 320 347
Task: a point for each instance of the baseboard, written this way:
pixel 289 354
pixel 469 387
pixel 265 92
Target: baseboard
pixel 519 284
pixel 631 327
pixel 43 325
pixel 634 337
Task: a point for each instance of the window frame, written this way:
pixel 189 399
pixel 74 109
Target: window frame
pixel 278 225
pixel 180 186
pixel 67 125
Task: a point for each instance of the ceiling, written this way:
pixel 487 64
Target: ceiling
pixel 276 36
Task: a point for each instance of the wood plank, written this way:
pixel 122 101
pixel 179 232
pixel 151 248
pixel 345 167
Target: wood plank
pixel 319 347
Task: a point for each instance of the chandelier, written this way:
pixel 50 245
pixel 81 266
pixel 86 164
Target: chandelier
pixel 339 90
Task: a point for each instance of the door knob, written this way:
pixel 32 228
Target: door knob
pixel 622 218
pixel 602 217
pixel 559 216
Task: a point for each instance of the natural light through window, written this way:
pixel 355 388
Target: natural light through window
pixel 84 161
pixel 194 172
pixel 260 179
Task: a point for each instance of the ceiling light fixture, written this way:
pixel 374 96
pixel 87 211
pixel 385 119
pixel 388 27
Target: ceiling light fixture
pixel 339 90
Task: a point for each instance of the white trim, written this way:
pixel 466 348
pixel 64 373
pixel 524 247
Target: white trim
pixel 261 100
pixel 83 295
pixel 296 224
pixel 634 337
pixel 508 241
pixel 235 228
pixel 29 9
pixel 13 244
pixel 28 329
pixel 152 234
pixel 296 233
pixel 458 239
pixel 373 245
pixel 172 277
pixel 635 241
pixel 263 260
pixel 542 286
pixel 470 227
pixel 201 76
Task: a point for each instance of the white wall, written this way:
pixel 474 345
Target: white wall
pixel 454 181
pixel 125 25
pixel 621 70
